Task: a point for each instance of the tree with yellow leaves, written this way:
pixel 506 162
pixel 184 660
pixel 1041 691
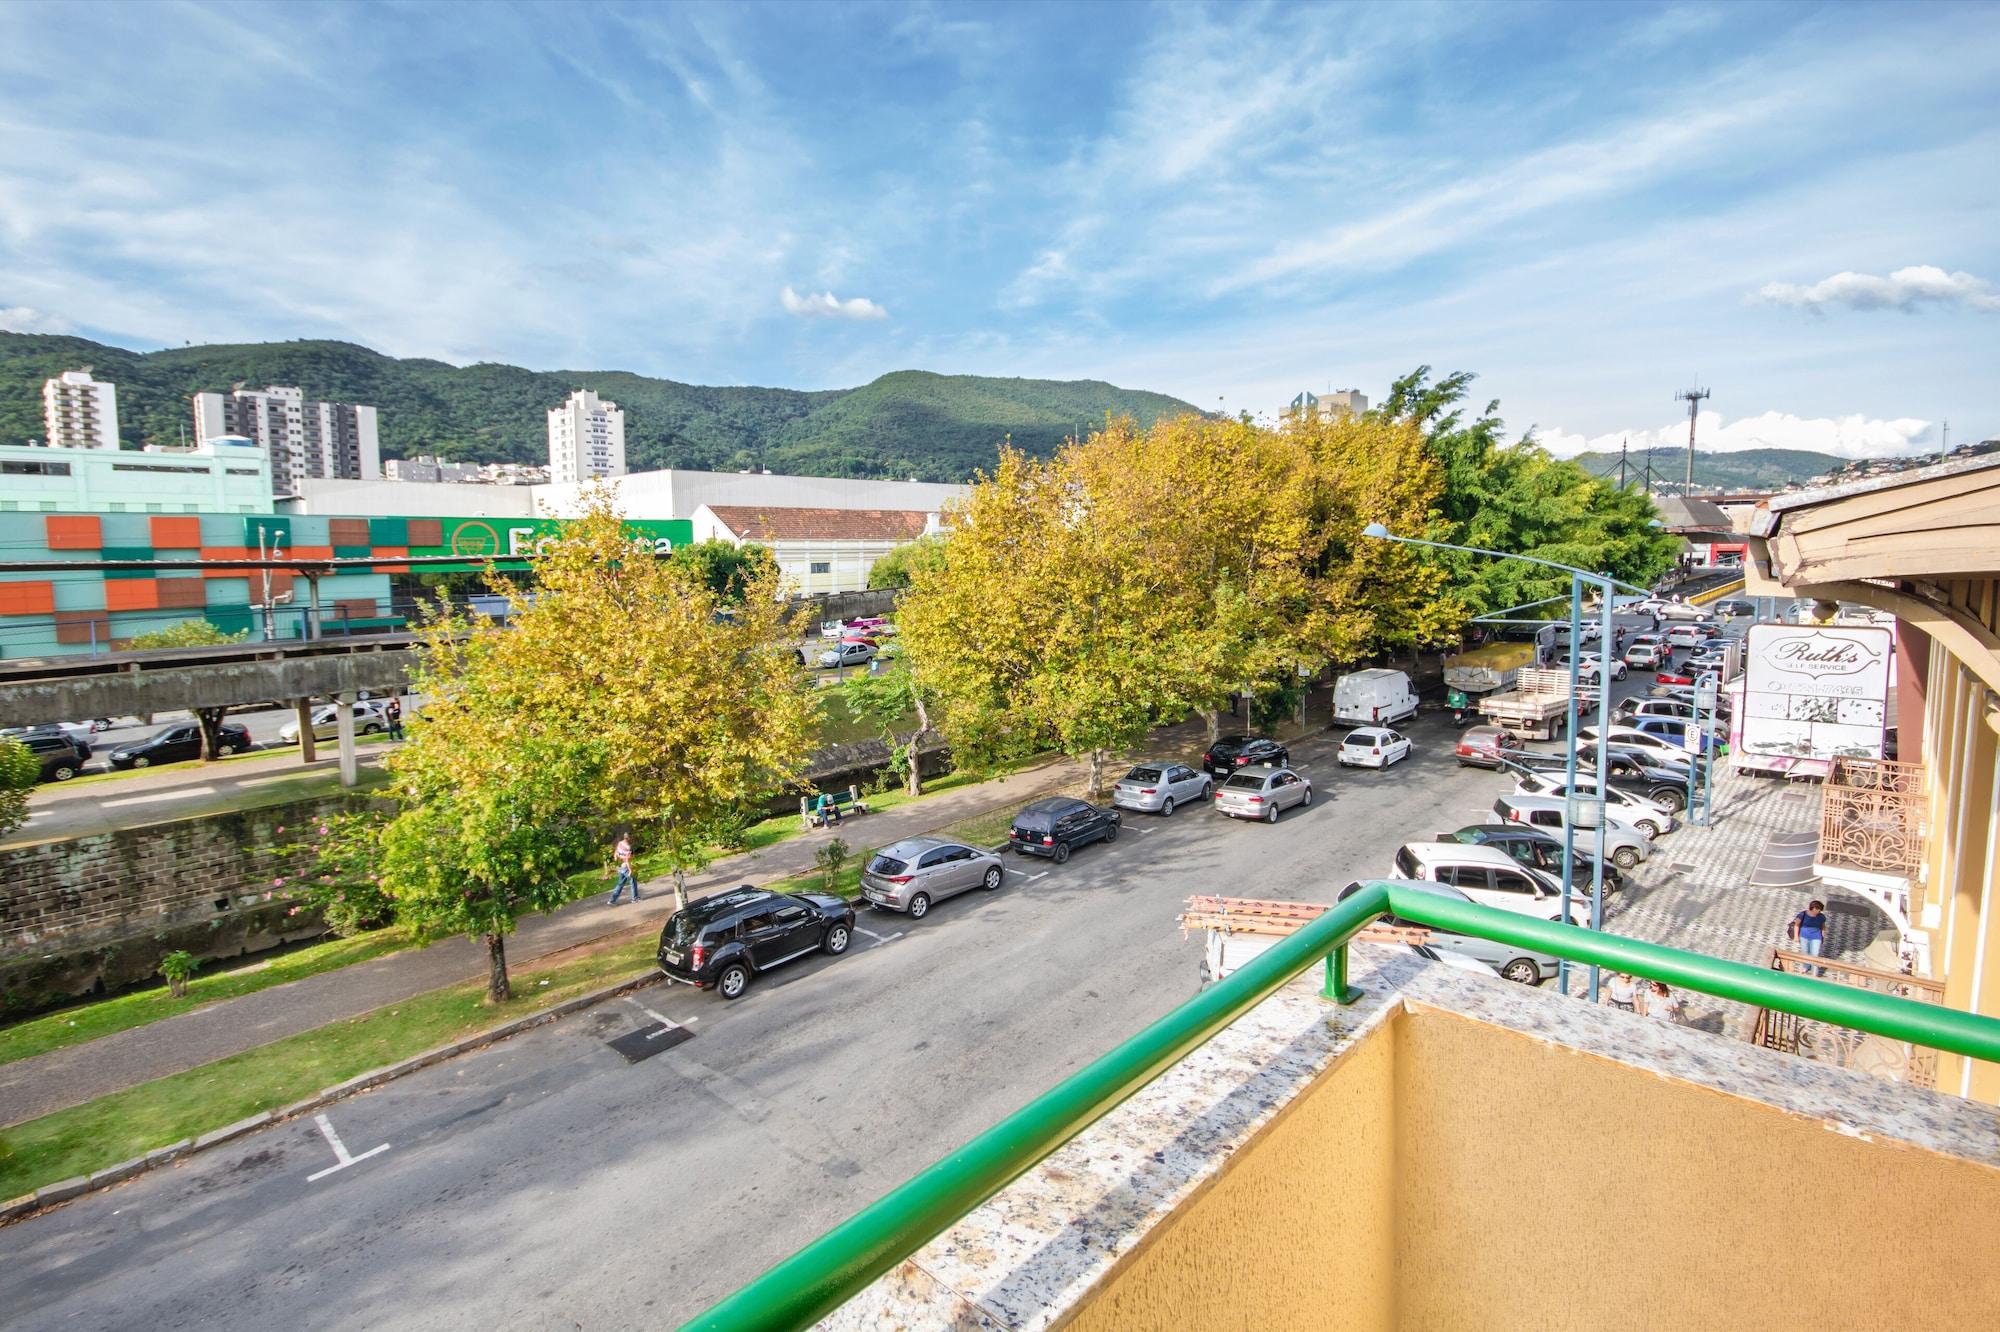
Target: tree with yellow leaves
pixel 618 697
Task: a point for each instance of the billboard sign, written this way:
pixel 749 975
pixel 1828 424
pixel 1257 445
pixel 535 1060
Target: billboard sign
pixel 1815 691
pixel 527 536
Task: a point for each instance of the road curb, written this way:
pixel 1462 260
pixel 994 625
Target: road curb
pixel 55 1195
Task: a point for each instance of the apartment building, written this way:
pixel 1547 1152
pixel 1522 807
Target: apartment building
pixel 305 440
pixel 79 412
pixel 586 439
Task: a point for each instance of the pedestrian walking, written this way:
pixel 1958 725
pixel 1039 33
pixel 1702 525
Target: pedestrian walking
pixel 1623 992
pixel 1808 928
pixel 1664 1003
pixel 395 712
pixel 622 853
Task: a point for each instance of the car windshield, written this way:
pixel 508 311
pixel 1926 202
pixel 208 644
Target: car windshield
pixel 886 865
pixel 1244 781
pixel 680 929
pixel 1143 775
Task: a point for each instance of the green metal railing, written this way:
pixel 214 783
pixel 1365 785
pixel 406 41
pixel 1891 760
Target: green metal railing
pixel 821 1276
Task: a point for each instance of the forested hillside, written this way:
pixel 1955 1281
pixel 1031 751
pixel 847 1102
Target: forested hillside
pixel 910 423
pixel 1746 469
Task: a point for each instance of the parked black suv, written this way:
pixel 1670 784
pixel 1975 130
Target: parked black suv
pixel 1058 825
pixel 177 744
pixel 1532 847
pixel 1231 752
pixel 61 756
pixel 720 942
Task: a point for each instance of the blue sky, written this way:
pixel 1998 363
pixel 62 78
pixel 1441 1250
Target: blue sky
pixel 1588 206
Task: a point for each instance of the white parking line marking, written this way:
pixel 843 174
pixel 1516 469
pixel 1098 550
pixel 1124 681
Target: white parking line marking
pixel 667 1024
pixel 878 938
pixel 340 1152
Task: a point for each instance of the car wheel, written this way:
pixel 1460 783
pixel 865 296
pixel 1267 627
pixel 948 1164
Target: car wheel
pixel 837 939
pixel 142 762
pixel 1167 808
pixel 63 774
pixel 1308 798
pixel 1208 790
pixel 1673 801
pixel 992 879
pixel 1521 971
pixel 1061 853
pixel 1648 827
pixel 1624 857
pixel 1111 833
pixel 1271 814
pixel 733 981
pixel 370 729
pixel 920 906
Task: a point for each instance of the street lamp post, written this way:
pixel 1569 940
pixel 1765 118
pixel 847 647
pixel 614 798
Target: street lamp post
pixel 1606 587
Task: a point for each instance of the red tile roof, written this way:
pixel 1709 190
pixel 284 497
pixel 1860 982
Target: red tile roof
pixel 751 523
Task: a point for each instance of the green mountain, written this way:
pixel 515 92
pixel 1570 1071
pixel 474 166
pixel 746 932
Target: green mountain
pixel 907 424
pixel 1748 469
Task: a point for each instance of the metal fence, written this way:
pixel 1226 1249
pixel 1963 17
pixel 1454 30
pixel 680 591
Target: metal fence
pixel 1872 816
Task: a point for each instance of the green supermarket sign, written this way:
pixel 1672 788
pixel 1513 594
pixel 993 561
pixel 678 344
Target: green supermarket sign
pixel 487 537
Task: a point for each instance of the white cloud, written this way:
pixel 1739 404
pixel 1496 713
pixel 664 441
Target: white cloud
pixel 27 319
pixel 1904 289
pixel 1844 436
pixel 825 305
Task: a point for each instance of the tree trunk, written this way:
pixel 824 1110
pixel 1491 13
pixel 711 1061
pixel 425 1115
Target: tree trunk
pixel 210 720
pixel 916 743
pixel 680 889
pixel 1096 770
pixel 498 991
pixel 1213 718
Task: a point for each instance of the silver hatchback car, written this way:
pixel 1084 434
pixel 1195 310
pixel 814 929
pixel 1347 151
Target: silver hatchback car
pixel 913 873
pixel 1262 793
pixel 1159 787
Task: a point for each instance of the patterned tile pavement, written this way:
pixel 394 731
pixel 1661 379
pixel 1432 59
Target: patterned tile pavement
pixel 1695 892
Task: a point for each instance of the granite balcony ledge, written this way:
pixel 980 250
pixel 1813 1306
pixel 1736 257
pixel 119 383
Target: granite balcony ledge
pixel 1027 1258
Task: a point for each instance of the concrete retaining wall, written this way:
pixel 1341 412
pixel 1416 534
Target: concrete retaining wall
pixel 92 914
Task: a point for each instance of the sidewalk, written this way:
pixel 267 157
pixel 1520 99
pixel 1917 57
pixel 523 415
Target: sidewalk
pixel 49 1082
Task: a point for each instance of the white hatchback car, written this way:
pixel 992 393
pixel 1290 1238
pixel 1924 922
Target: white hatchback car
pixel 1373 747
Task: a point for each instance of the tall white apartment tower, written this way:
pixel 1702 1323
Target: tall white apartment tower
pixel 586 439
pixel 304 439
pixel 79 412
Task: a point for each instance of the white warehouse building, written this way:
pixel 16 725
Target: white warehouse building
pixel 817 550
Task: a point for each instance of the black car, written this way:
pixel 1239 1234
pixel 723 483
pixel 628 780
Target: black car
pixel 1532 847
pixel 1058 825
pixel 720 942
pixel 1641 772
pixel 1532 761
pixel 177 744
pixel 60 754
pixel 1231 752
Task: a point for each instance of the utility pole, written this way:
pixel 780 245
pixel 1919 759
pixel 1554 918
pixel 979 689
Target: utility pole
pixel 1944 444
pixel 1693 398
pixel 1624 447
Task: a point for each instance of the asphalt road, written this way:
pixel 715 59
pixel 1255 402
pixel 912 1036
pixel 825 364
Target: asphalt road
pixel 549 1183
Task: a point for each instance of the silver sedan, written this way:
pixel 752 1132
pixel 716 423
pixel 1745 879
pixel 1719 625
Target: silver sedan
pixel 1262 793
pixel 1156 788
pixel 917 871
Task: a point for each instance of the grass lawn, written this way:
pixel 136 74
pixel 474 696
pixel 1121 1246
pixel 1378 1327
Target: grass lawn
pixel 73 1026
pixel 118 1127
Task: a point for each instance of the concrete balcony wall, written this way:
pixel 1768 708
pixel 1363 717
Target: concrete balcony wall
pixel 1455 1152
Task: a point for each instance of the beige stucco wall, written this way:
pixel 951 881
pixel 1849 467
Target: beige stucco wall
pixel 1450 1173
pixel 1295 1232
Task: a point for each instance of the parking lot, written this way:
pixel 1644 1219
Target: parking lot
pixel 618 1193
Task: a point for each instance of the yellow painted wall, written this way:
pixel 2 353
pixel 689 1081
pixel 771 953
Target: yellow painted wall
pixel 1294 1233
pixel 1453 1174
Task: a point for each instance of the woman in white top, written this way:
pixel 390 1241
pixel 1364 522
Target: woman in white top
pixel 1622 992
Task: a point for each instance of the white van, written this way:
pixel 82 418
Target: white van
pixel 1374 698
pixel 1490 877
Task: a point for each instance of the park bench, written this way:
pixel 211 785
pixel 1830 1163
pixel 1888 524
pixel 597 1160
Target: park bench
pixel 845 803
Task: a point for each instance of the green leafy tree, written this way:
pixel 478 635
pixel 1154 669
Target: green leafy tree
pixel 897 707
pixel 1519 500
pixel 894 569
pixel 187 633
pixel 19 771
pixel 727 569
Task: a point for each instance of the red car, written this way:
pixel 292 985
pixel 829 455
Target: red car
pixel 1672 677
pixel 1480 747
